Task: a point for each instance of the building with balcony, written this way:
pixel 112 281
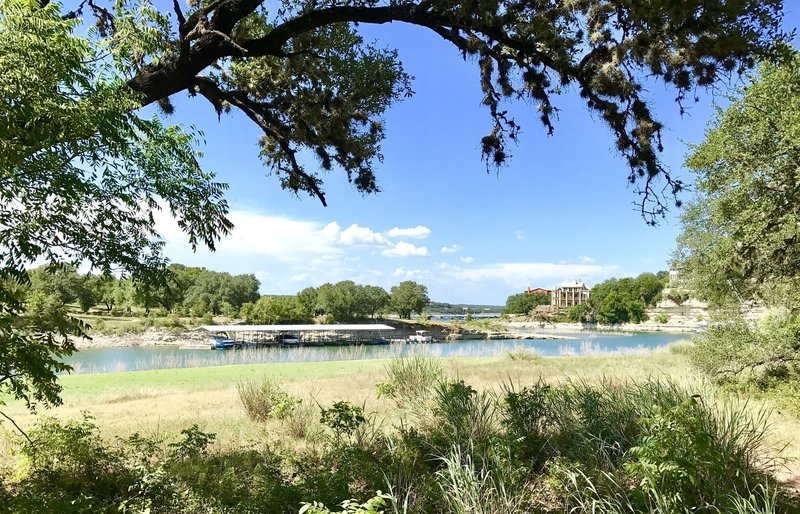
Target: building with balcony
pixel 569 294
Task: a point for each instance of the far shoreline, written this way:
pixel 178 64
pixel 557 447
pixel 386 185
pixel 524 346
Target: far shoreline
pixel 532 330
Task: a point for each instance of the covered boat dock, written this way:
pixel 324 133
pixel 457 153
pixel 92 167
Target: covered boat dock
pixel 299 335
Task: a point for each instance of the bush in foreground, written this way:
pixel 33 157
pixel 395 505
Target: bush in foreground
pixel 611 447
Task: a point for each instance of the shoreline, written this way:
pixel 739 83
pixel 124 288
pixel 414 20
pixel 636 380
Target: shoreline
pixel 531 330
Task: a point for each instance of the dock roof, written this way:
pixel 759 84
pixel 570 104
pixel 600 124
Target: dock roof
pixel 296 328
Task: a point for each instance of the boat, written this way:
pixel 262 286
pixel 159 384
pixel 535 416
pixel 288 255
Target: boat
pixel 288 340
pixel 420 337
pixel 223 343
pixel 379 341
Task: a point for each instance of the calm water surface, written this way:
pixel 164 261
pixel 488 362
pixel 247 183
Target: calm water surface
pixel 99 360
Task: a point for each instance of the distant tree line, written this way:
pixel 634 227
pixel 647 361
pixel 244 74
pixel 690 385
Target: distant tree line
pixel 198 292
pixel 189 291
pixel 343 301
pixel 460 308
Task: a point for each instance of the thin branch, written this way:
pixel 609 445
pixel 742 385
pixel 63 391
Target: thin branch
pixel 261 117
pixel 19 429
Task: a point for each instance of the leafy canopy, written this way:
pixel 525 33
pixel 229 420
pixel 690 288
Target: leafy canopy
pixel 81 178
pixel 408 297
pixel 300 71
pixel 740 238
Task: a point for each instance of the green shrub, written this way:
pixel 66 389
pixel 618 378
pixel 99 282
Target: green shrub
pixel 459 416
pixel 581 422
pixel 374 505
pixel 343 418
pixel 264 399
pixel 764 355
pixel 662 317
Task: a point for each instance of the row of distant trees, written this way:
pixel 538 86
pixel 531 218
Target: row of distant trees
pixel 340 302
pixel 198 292
pixel 617 300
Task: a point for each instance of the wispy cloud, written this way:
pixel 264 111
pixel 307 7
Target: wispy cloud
pixel 586 259
pixel 418 232
pixel 467 259
pixel 454 248
pixel 516 273
pixel 519 235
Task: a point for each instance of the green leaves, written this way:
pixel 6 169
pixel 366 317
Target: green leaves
pixel 82 178
pixel 408 297
pixel 740 238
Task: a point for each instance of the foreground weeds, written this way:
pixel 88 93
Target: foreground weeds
pixel 613 447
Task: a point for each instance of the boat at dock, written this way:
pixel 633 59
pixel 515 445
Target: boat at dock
pixel 223 343
pixel 421 337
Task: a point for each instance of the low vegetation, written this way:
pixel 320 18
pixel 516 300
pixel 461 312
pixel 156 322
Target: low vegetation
pixel 647 445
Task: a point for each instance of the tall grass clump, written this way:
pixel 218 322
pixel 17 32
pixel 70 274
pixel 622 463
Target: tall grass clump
pixel 410 380
pixel 265 399
pixel 594 424
pixel 495 486
pixel 524 355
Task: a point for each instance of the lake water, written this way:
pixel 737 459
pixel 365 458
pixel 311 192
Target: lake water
pixel 101 360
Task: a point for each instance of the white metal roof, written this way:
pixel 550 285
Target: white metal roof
pixel 294 328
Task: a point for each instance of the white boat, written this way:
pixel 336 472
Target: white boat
pixel 421 336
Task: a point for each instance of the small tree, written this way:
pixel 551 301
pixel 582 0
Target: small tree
pixel 408 297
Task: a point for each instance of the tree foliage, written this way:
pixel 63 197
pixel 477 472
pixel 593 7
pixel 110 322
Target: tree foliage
pixel 764 354
pixel 343 301
pixel 81 176
pixel 275 310
pixel 302 74
pixel 623 300
pixel 523 303
pixel 740 238
pixel 408 297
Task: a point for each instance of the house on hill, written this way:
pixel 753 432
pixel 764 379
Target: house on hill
pixel 538 290
pixel 569 294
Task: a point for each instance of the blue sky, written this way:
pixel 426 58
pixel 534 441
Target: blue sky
pixel 561 209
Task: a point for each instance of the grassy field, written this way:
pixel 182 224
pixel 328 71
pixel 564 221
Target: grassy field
pixel 166 401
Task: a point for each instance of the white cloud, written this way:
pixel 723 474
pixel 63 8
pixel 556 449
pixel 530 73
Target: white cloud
pixel 519 235
pixel 467 259
pixel 418 232
pixel 404 249
pixel 451 249
pixel 586 259
pixel 357 235
pixel 259 235
pixel 410 274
